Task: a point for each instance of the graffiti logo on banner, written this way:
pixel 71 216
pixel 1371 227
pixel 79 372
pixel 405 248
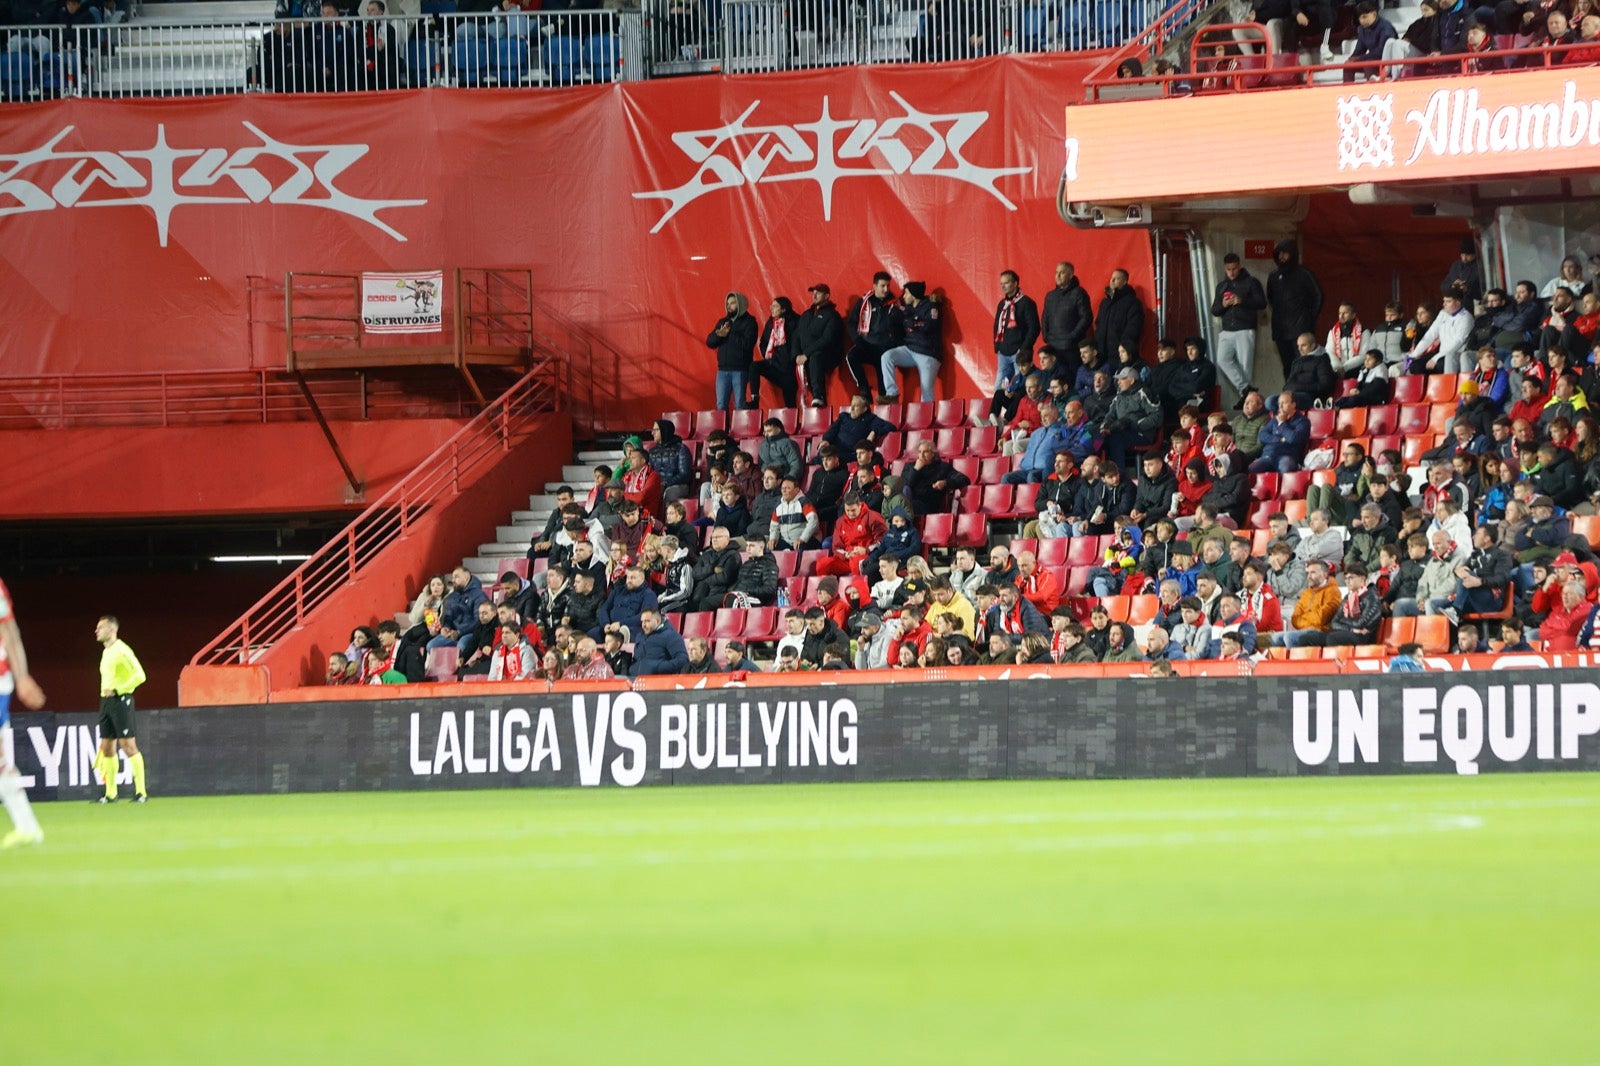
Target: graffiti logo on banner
pixel 403 303
pixel 914 142
pixel 163 178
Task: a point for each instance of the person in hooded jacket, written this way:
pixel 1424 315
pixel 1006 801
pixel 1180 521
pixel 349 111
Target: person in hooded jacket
pixel 1197 375
pixel 923 345
pixel 672 461
pixel 778 350
pixel 1120 320
pixel 819 343
pixel 1230 489
pixel 734 338
pixel 901 541
pixel 1295 299
pixel 677 581
pixel 1161 378
pixel 1067 318
pixel 1310 374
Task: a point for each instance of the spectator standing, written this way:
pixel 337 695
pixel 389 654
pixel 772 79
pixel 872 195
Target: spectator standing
pixel 733 338
pixel 1238 302
pixel 1119 322
pixel 1295 299
pixel 779 349
pixel 876 325
pixel 1016 331
pixel 819 343
pixel 1066 320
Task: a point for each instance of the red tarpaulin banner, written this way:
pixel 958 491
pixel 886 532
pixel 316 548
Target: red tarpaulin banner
pixel 127 229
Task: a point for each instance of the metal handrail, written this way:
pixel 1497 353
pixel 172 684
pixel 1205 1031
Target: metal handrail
pixel 1257 72
pixel 502 425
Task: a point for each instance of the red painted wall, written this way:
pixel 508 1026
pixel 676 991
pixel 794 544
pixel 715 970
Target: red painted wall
pixel 206 470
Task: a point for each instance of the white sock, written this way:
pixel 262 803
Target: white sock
pixel 16 803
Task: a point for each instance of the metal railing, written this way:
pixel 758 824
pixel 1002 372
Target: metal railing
pixel 505 424
pixel 542 48
pixel 194 398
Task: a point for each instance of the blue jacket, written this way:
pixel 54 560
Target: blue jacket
pixel 900 543
pixel 1043 443
pixel 1246 632
pixel 460 610
pixel 671 460
pixel 1370 41
pixel 924 330
pixel 848 431
pixel 660 652
pixel 1081 442
pixel 625 605
pixel 1280 439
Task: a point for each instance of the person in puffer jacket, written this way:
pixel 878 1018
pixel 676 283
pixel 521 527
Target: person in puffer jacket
pixel 671 460
pixel 902 541
pixel 677 582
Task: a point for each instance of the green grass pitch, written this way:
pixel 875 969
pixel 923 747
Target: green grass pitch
pixel 1400 921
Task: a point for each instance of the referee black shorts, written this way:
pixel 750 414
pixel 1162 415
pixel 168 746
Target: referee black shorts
pixel 116 718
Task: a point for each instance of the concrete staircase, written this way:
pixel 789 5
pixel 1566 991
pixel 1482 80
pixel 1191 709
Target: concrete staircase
pixel 185 48
pixel 512 540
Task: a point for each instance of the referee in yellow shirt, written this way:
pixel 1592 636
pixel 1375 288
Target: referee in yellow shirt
pixel 120 674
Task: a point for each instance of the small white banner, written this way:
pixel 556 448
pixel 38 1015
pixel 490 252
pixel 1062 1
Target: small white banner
pixel 403 302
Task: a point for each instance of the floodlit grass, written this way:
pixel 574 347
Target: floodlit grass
pixel 1401 921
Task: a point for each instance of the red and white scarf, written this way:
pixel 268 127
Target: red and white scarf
pixel 1005 318
pixel 777 334
pixel 1352 604
pixel 865 325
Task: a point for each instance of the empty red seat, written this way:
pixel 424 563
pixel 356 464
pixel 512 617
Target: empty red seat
pixel 745 422
pixel 815 421
pixel 1083 551
pixel 996 500
pixel 889 447
pixel 1384 419
pixel 788 416
pixel 1415 446
pixel 917 416
pixel 984 441
pixel 682 422
pixel 1294 486
pixel 969 500
pixel 1053 551
pixel 1442 388
pixel 1439 416
pixel 1321 423
pixel 938 531
pixel 763 623
pixel 706 421
pixel 788 563
pixel 1350 422
pixel 697 624
pixel 1077 581
pixel 972 531
pixel 729 623
pixel 994 468
pixel 1414 418
pixel 911 438
pixel 1393 442
pixel 1264 487
pixel 890 412
pixel 1409 389
pixel 1026 501
pixel 950 443
pixel 970 466
pixel 948 414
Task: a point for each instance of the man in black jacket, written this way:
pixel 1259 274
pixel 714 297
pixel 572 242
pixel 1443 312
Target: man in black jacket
pixel 875 327
pixel 1481 580
pixel 1067 319
pixel 929 481
pixel 1120 320
pixel 733 338
pixel 1309 375
pixel 1295 299
pixel 1016 330
pixel 779 349
pixel 716 571
pixel 1152 499
pixel 1238 302
pixel 819 342
pixel 757 585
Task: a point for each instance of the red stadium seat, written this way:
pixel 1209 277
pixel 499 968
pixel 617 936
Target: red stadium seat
pixel 728 624
pixel 1142 609
pixel 1384 419
pixel 1324 477
pixel 1409 389
pixel 1587 526
pixel 977 409
pixel 1416 445
pixel 1264 487
pixel 815 421
pixel 1443 388
pixel 984 441
pixel 1026 501
pixel 1439 418
pixel 1083 551
pixel 697 624
pixel 890 412
pixel 970 466
pixel 948 414
pixel 745 423
pixel 993 469
pixel 1296 511
pixel 1294 486
pixel 969 500
pixel 938 531
pixel 1414 418
pixel 1391 442
pixel 917 416
pixel 1321 423
pixel 516 564
pixel 763 623
pixel 890 447
pixel 972 531
pixel 911 438
pixel 1053 551
pixel 1350 422
pixel 1077 582
pixel 797 591
pixel 1397 631
pixel 442 662
pixel 1259 539
pixel 1117 607
pixel 950 443
pixel 1019 545
pixel 996 500
pixel 682 422
pixel 788 563
pixel 707 421
pixel 1433 633
pixel 1259 513
pixel 788 416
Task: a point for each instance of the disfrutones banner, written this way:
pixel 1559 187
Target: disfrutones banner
pixel 1435 129
pixel 127 229
pixel 402 302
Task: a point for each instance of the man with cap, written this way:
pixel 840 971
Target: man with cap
pixel 874 636
pixel 819 343
pixel 1133 419
pixel 923 346
pixel 1542 539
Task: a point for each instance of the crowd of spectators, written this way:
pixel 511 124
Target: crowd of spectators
pixel 1467 519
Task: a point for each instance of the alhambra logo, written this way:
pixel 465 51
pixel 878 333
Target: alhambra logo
pixel 164 178
pixel 829 150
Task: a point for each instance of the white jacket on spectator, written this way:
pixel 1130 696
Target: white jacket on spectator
pixel 883 593
pixel 1327 546
pixel 1346 352
pixel 1448 335
pixel 874 654
pixel 514 664
pixel 968 586
pixel 1438 578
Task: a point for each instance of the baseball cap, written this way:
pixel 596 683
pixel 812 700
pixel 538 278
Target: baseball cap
pixel 1129 373
pixel 1566 559
pixel 821 287
pixel 912 586
pixel 1542 501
